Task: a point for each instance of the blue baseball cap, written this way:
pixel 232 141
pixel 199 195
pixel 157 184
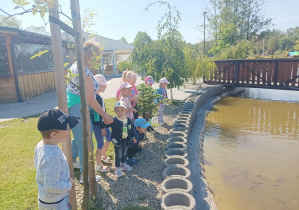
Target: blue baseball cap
pixel 141 122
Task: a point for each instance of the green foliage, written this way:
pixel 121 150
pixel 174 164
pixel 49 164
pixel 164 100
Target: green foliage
pixel 123 39
pixel 37 29
pixel 124 65
pixel 236 20
pixel 241 50
pixel 296 47
pixel 146 106
pixel 12 22
pixel 168 60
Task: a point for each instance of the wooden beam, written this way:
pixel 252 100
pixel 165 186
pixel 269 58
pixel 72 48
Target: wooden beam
pixel 59 75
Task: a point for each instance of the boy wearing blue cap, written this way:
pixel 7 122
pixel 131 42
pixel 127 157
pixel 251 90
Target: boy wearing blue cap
pixel 140 125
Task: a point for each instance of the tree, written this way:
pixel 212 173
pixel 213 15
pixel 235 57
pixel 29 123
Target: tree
pixel 146 106
pixel 12 22
pixel 172 46
pixel 238 20
pixel 123 39
pixel 37 29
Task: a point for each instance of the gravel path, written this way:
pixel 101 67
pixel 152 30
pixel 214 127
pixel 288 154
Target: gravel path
pixel 141 186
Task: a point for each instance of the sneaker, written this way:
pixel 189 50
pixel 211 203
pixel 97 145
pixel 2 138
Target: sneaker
pixel 132 162
pixel 98 178
pixel 76 165
pixel 125 167
pixel 118 172
pixel 102 169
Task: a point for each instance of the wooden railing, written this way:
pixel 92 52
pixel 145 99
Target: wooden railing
pixel 259 73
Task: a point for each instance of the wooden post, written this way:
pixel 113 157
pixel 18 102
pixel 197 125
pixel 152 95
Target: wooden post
pixel 88 162
pixel 237 72
pixel 276 74
pixel 59 75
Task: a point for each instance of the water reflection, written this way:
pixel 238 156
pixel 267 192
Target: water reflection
pixel 252 149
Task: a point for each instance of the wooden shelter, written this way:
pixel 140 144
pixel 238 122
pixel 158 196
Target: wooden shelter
pixel 20 76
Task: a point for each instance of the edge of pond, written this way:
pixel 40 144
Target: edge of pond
pixel 201 191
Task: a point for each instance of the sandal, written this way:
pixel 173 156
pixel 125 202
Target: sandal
pixel 106 159
pixel 104 169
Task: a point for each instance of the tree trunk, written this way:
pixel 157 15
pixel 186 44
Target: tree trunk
pixel 59 74
pixel 88 164
pixel 171 95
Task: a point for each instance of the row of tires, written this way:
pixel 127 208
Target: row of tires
pixel 176 186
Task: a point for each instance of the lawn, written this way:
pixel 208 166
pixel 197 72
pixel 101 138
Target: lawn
pixel 18 188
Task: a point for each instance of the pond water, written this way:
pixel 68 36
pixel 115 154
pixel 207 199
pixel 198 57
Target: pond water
pixel 251 150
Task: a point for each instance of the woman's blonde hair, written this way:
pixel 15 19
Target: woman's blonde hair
pixel 89 47
pixel 128 75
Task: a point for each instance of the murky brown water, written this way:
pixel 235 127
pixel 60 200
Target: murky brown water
pixel 252 151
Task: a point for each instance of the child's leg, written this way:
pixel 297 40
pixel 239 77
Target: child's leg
pixel 107 142
pixel 124 153
pixel 132 151
pixel 118 155
pixel 160 113
pixel 100 142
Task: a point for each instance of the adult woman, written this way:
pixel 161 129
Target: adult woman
pixel 74 104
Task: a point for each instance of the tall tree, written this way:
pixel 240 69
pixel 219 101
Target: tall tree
pixel 238 19
pixel 123 39
pixel 172 46
pixel 12 22
pixel 37 29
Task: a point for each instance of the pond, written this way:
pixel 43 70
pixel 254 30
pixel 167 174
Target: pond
pixel 251 150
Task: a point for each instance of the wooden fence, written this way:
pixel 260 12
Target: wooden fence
pixel 35 84
pixel 260 73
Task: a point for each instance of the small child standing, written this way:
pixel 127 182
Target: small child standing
pixel 149 81
pixel 52 171
pixel 125 90
pixel 163 92
pixel 139 131
pixel 130 77
pixel 98 127
pixel 122 132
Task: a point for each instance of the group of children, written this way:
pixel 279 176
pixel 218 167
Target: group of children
pixel 127 130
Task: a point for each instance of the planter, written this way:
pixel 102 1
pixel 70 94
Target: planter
pixel 178 139
pixel 182 134
pixel 172 145
pixel 176 161
pixel 178 200
pixel 176 171
pixel 177 184
pixel 176 152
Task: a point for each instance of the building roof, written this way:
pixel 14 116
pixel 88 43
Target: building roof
pixel 108 44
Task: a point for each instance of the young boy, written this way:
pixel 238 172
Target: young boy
pixel 141 126
pixel 122 132
pixel 52 171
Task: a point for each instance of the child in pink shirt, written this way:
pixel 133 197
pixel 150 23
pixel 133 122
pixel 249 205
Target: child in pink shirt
pixel 125 90
pixel 130 77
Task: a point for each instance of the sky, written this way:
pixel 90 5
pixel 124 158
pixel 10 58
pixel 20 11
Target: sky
pixel 125 18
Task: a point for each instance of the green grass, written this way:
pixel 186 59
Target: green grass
pixel 18 189
pixel 174 102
